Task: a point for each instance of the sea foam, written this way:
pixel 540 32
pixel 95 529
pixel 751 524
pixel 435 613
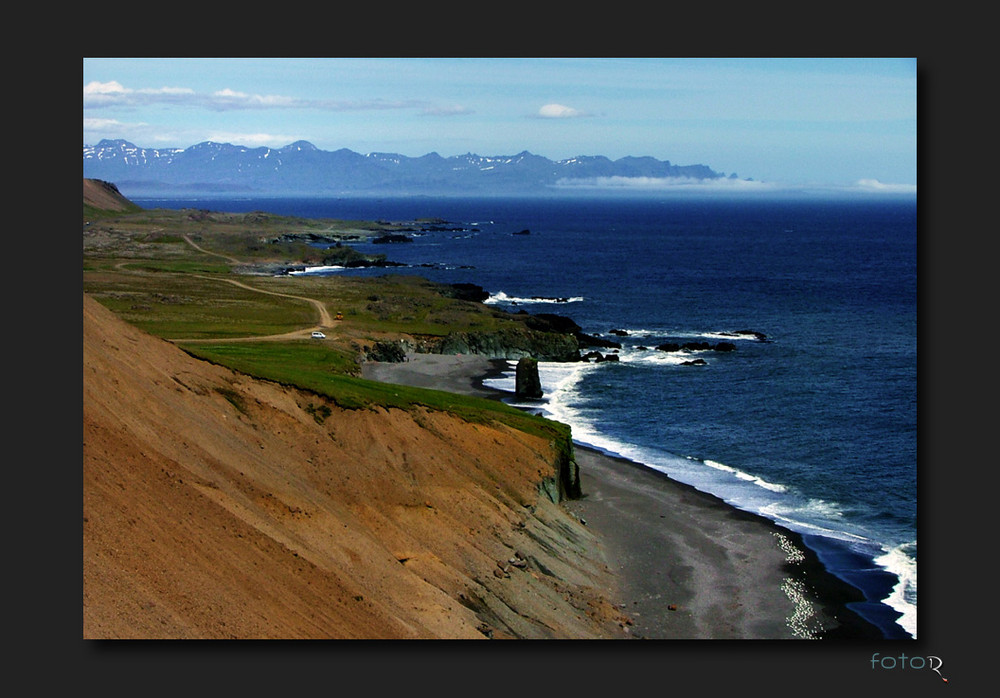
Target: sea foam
pixel 901 561
pixel 501 298
pixel 775 501
pixel 316 270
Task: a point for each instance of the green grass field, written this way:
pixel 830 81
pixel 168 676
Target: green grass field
pixel 142 266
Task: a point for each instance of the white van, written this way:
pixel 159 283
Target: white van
pixel 318 335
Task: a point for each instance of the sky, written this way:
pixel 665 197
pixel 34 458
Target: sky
pixel 842 123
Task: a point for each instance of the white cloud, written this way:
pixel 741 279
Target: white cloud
pixel 731 186
pixel 253 140
pixel 665 183
pixel 103 88
pixel 105 124
pixel 231 99
pixel 874 185
pixel 114 94
pixel 95 129
pixel 559 111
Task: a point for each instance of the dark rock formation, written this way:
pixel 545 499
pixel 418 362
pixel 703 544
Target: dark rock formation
pixel 469 292
pixel 512 343
pixel 378 263
pixel 597 357
pixel 388 352
pixel 550 322
pixel 344 256
pixel 304 238
pixel 389 237
pixel 566 484
pixel 527 384
pixel 589 340
pixel 569 474
pixel 696 346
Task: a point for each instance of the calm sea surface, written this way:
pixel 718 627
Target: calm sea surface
pixel 816 427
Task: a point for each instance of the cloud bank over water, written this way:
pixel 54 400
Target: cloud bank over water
pixel 726 185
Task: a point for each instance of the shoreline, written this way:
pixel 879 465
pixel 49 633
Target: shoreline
pixel 690 566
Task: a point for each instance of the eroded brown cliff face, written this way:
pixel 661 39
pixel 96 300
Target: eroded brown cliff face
pixel 220 506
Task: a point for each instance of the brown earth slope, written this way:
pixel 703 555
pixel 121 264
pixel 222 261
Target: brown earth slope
pixel 104 196
pixel 218 506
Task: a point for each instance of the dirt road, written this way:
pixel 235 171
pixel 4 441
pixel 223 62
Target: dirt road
pixel 325 319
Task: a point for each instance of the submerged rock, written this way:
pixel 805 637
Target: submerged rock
pixel 695 362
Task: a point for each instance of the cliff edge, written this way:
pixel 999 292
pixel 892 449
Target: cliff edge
pixel 217 505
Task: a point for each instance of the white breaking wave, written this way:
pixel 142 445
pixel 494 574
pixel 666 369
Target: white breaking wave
pixel 653 357
pixel 316 270
pixel 500 298
pixel 742 490
pixel 760 482
pixel 722 335
pixel 903 598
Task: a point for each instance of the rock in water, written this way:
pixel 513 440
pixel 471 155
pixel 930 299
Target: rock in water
pixel 526 381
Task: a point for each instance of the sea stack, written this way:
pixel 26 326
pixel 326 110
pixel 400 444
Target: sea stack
pixel 526 381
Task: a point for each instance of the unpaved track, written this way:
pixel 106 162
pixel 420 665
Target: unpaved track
pixel 193 244
pixel 325 319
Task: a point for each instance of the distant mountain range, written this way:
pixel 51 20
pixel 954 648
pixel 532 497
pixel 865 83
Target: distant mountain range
pixel 302 168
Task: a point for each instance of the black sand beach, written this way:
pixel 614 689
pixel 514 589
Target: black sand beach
pixel 690 566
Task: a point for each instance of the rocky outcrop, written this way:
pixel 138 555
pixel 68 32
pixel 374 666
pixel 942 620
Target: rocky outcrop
pixel 387 352
pixel 569 474
pixel 511 343
pixel 597 357
pixel 304 238
pixel 550 322
pixel 527 384
pixel 759 336
pixel 390 238
pixel 696 346
pixel 468 292
pixel 349 257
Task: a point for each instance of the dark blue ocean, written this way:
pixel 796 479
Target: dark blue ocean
pixel 815 428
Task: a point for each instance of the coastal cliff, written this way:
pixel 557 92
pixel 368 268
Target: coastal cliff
pixel 255 467
pixel 217 505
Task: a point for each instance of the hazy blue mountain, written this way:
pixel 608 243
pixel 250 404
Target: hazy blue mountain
pixel 302 168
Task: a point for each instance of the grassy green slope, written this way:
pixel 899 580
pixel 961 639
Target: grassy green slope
pixel 174 274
